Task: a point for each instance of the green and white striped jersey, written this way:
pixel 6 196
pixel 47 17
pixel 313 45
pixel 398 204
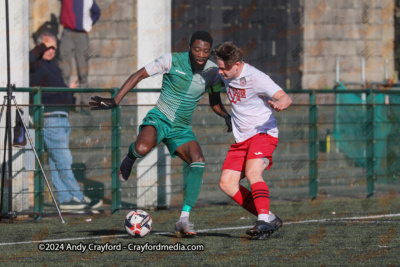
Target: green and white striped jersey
pixel 181 88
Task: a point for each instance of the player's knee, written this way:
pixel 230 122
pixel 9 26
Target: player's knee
pixel 225 184
pixel 198 158
pixel 249 173
pixel 142 148
pixel 253 175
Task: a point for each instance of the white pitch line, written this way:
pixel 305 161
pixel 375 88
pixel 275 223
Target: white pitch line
pixel 204 230
pixel 349 218
pixel 60 240
pixel 298 222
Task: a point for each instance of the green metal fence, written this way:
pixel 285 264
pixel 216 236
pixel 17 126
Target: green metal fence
pixel 302 147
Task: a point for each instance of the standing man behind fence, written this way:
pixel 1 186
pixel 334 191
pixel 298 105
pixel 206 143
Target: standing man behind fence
pixel 44 72
pixel 77 17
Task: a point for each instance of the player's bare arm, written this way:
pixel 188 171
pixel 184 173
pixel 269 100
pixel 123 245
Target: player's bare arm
pixel 130 83
pixel 109 103
pixel 281 101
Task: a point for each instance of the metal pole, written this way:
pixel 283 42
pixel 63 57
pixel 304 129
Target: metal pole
pixel 8 116
pixel 313 156
pixel 39 145
pixel 370 159
pixel 8 47
pixel 3 167
pixel 115 157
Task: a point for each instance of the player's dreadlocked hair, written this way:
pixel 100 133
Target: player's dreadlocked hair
pixel 228 52
pixel 201 35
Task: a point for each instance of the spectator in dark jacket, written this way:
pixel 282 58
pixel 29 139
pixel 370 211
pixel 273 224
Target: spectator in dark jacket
pixel 44 72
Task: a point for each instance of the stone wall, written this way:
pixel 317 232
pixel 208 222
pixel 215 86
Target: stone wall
pixel 113 44
pixel 350 30
pixel 112 40
pixel 330 28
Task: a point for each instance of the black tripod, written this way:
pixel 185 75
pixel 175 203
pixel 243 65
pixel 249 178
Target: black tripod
pixel 7 139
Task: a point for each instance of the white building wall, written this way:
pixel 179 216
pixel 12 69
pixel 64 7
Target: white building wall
pixel 154 40
pixel 19 66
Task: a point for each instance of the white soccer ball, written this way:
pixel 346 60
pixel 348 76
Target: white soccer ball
pixel 138 223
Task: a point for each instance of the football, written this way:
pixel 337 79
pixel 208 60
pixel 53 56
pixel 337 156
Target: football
pixel 138 223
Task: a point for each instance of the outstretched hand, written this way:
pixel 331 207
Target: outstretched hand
pixel 74 84
pixel 102 103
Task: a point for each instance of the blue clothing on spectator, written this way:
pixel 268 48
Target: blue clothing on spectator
pixel 56 138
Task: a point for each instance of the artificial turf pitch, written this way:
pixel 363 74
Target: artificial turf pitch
pixel 324 232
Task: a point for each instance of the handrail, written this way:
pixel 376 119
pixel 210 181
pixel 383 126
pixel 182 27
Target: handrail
pixel 75 90
pixel 155 90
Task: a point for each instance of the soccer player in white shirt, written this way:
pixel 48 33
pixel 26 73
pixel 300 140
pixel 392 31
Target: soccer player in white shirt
pixel 254 97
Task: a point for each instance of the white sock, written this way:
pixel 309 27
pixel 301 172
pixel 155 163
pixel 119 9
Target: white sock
pixel 271 217
pixel 263 217
pixel 185 214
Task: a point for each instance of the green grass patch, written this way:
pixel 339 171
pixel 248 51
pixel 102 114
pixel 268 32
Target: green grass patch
pixel 328 238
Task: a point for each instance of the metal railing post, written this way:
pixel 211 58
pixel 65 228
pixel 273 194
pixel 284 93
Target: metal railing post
pixel 38 113
pixel 370 160
pixel 313 154
pixel 115 156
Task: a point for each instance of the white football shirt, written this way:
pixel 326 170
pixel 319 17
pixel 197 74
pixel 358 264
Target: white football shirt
pixel 249 95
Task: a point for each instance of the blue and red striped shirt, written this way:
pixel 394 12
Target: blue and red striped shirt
pixel 79 15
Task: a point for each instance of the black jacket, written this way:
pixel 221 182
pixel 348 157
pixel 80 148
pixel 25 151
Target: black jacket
pixel 45 73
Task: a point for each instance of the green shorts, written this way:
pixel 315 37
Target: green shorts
pixel 171 134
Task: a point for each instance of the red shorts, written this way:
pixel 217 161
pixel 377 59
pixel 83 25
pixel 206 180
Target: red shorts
pixel 261 145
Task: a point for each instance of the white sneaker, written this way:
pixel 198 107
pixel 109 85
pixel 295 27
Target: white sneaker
pixel 92 203
pixel 183 226
pixel 73 204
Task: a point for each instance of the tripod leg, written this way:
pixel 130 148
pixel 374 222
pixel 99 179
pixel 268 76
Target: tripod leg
pixel 3 171
pixel 2 107
pixel 40 165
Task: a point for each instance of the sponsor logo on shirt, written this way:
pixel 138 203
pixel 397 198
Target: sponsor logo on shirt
pixel 243 81
pixel 236 94
pixel 258 153
pixel 181 72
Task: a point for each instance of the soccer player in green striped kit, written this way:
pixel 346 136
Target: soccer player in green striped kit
pixel 186 76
